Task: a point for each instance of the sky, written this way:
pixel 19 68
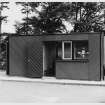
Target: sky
pixel 14 14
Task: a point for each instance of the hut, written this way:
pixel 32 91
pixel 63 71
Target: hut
pixel 75 56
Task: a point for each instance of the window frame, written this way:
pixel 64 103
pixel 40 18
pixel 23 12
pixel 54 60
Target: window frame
pixel 63 53
pixel 74 54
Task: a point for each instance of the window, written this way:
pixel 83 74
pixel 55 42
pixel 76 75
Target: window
pixel 59 50
pixel 72 50
pixel 67 50
pixel 80 49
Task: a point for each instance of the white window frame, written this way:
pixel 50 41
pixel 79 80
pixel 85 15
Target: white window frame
pixel 64 49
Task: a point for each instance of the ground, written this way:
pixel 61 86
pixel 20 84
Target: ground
pixel 12 91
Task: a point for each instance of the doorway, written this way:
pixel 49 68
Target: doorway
pixel 49 59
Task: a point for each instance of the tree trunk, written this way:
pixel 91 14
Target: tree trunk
pixel 0 21
pixel 80 13
pixel 75 26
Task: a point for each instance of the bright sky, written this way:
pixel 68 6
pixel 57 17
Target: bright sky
pixel 14 14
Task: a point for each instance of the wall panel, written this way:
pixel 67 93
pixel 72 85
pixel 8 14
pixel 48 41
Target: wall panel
pixel 23 52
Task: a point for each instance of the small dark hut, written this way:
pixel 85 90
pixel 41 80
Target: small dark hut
pixel 76 56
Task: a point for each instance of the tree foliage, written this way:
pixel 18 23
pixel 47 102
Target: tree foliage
pixel 90 16
pixel 3 5
pixel 46 20
pixel 49 17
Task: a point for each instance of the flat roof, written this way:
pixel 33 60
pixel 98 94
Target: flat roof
pixel 72 33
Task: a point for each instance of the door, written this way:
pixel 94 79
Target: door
pixel 49 59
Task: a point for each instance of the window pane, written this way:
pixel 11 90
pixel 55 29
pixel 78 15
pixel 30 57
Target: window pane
pixel 67 49
pixel 81 50
pixel 59 50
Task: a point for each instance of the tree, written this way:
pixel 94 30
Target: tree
pixel 3 5
pixel 90 17
pixel 85 17
pixel 45 18
pixel 24 28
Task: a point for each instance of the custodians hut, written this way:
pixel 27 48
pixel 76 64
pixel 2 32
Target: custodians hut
pixel 76 56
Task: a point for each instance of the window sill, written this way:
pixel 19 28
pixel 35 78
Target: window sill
pixel 74 60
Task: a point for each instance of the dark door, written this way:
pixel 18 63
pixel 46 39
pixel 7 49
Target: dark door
pixel 50 59
pixel 35 59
